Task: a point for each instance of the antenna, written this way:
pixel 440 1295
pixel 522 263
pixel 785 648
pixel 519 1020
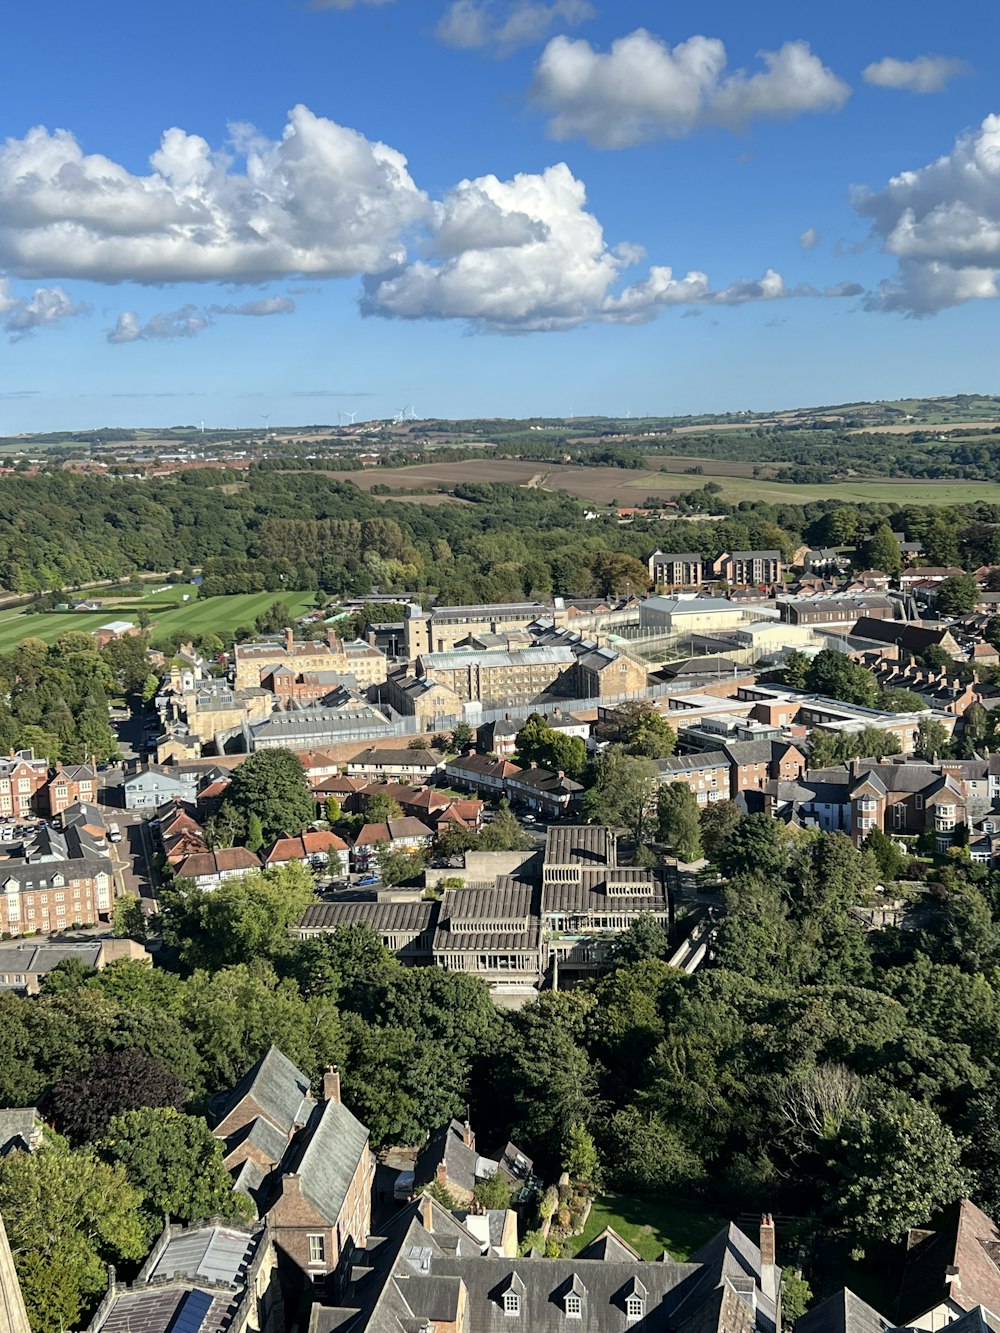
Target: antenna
pixel 266 418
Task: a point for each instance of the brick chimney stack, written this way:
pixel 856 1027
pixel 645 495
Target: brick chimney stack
pixel 289 638
pixel 468 1138
pixel 768 1268
pixel 331 1084
pixel 426 1207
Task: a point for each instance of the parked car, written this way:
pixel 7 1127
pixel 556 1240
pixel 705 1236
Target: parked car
pixel 366 880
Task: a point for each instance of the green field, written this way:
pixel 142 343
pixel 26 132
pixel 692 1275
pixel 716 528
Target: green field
pixel 735 489
pixel 650 1225
pixel 218 615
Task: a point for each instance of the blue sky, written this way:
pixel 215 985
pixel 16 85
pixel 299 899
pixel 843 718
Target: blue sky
pixel 497 207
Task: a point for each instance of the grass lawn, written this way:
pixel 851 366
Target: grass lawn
pixel 735 489
pixel 650 1225
pixel 217 615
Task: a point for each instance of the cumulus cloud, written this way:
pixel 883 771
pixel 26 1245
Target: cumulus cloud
pixel 809 239
pixel 186 322
pixel 942 222
pixel 525 255
pixel 643 89
pixel 321 200
pixel 45 308
pixel 474 24
pixel 925 74
pixel 268 305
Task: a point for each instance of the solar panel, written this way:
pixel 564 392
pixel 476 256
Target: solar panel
pixel 191 1312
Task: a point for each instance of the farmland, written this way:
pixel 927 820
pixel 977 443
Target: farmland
pixel 218 615
pixel 602 484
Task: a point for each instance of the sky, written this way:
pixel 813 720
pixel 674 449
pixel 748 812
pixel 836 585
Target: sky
pixel 295 210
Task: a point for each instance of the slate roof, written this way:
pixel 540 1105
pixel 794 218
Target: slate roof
pixel 580 844
pixel 843 1312
pixel 401 1272
pixel 19 1125
pixel 695 762
pixel 964 1239
pixel 265 1136
pixel 384 918
pixel 326 1157
pixel 278 1087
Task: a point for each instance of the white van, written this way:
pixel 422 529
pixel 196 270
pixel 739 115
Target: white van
pixel 114 833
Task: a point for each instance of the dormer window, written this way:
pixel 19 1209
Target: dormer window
pixel 574 1306
pixel 511 1303
pixel 633 1307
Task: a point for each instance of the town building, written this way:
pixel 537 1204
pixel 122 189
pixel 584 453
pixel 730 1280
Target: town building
pixel 22 780
pixel 317 850
pixel 837 610
pixel 427 1270
pixel 152 786
pixel 551 794
pixel 378 765
pixel 53 879
pixel 207 870
pixel 24 968
pixel 306 1163
pixel 318 726
pixel 675 571
pixel 450 1158
pixel 258 659
pixel 493 934
pixel 749 568
pixel 688 615
pixel 496 677
pixel 441 629
pixel 216 1278
pixel 431 701
pixel 70 785
pixel 406 834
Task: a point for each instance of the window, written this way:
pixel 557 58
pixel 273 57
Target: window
pixel 633 1307
pixel 317 1249
pixel 574 1306
pixel 511 1303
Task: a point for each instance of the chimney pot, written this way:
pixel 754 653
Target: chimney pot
pixel 468 1138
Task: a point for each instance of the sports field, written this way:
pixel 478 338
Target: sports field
pixel 599 485
pixel 218 615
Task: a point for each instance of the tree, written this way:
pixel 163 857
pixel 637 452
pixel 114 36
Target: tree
pixel 547 747
pixel 84 1101
pixel 796 1296
pixel 932 739
pixel 380 809
pixel 504 834
pixel 894 1166
pixel 881 551
pixel 129 920
pixel 580 1153
pixel 795 670
pixel 493 1192
pixel 277 617
pixel 623 793
pixel 272 785
pixel 890 860
pixel 834 675
pixel 396 867
pixel 718 819
pixel 679 824
pixel 332 810
pixel 176 1164
pixel 645 938
pixel 463 738
pixel 249 917
pixel 254 834
pixel 642 729
pixel 901 701
pixel 958 595
pixel 756 846
pixel 643 1153
pixel 67 1216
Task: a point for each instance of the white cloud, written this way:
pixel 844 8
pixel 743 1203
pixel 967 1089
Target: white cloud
pixel 925 74
pixel 473 24
pixel 186 322
pixel 47 307
pixel 809 239
pixel 942 222
pixel 524 255
pixel 268 305
pixel 643 89
pixel 322 200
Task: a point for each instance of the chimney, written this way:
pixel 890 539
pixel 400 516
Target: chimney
pixel 468 1138
pixel 426 1210
pixel 768 1270
pixel 331 1084
pixel 289 638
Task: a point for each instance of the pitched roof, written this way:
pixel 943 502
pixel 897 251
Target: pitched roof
pixel 843 1312
pixel 327 1156
pixel 965 1240
pixel 313 843
pixel 278 1087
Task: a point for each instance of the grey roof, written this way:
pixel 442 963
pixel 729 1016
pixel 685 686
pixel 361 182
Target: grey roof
pixel 212 1254
pixel 248 1179
pixel 374 757
pixel 609 1246
pixel 327 1155
pixel 40 958
pixel 749 752
pixel 692 763
pixel 755 555
pixel 165 1310
pixel 591 895
pixel 18 1126
pixel 487 611
pixel 278 1087
pixel 263 1134
pixel 581 845
pixel 384 918
pixel 690 557
pixel 460 660
pixel 545 781
pixel 517 914
pixel 687 606
pixel 843 1312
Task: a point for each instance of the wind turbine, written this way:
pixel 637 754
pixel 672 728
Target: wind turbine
pixel 352 415
pixel 266 418
pixel 400 416
pixel 412 413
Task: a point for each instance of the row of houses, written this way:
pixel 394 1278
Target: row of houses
pixel 691 570
pixel 52 878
